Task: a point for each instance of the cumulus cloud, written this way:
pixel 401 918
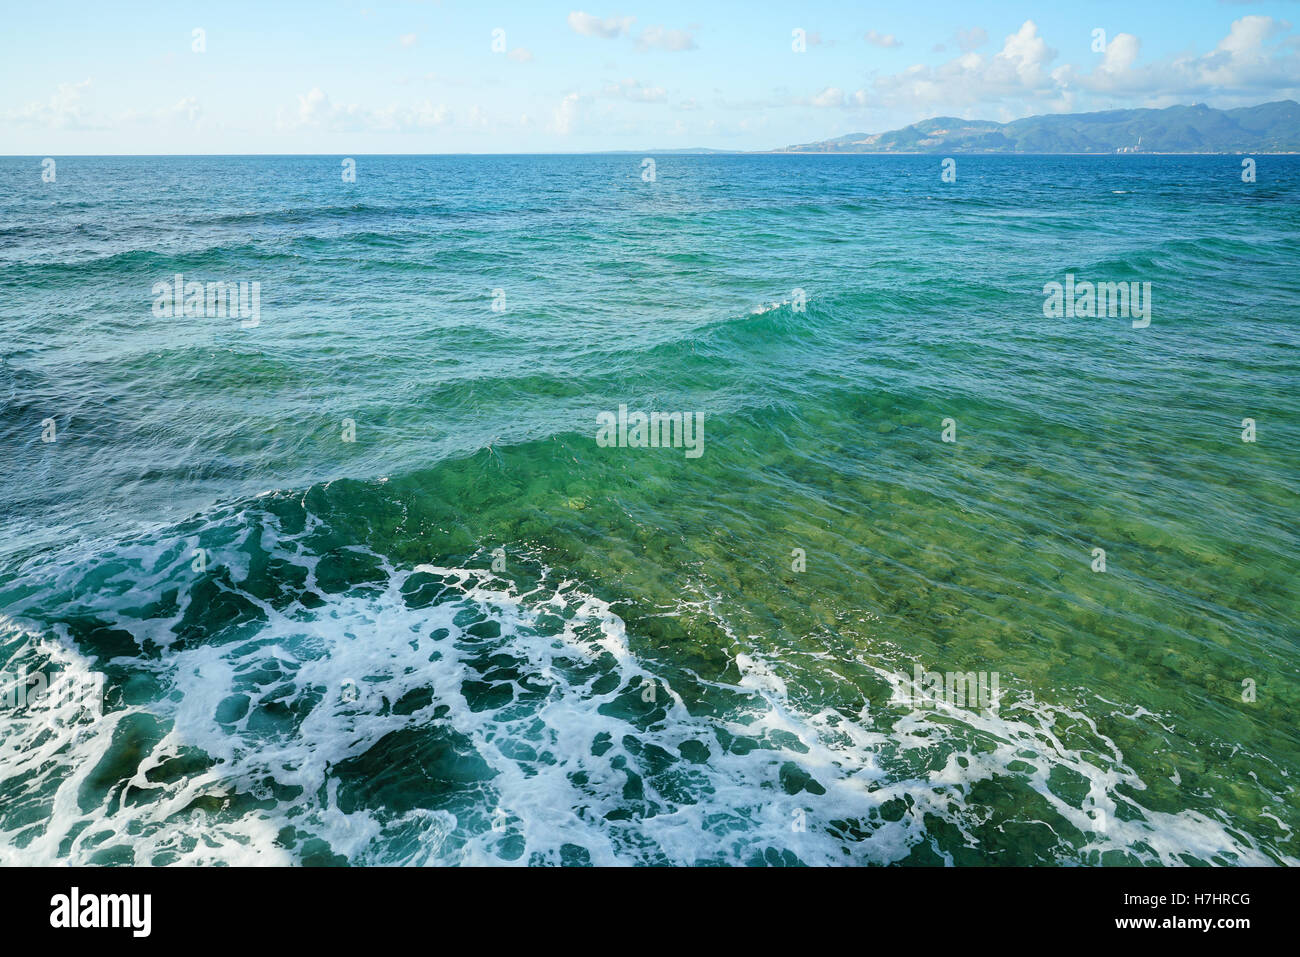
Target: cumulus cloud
pixel 1248 34
pixel 607 28
pixel 424 115
pixel 65 109
pixel 407 39
pixel 831 96
pixel 1019 70
pixel 1254 59
pixel 313 108
pixel 610 28
pixel 566 115
pixel 1121 52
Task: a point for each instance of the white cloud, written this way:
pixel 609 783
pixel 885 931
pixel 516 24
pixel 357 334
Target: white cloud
pixel 316 111
pixel 65 109
pixel 1248 34
pixel 608 28
pixel 566 115
pixel 1027 53
pixel 831 96
pixel 1254 59
pixel 313 107
pixel 187 107
pixel 1250 61
pixel 407 39
pixel 886 40
pixel 1018 70
pixel 1121 52
pixel 521 55
pixel 425 115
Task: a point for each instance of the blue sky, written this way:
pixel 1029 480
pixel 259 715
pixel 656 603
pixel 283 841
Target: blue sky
pixel 419 76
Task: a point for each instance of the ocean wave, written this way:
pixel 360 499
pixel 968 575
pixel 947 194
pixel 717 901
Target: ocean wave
pixel 306 700
pixel 296 216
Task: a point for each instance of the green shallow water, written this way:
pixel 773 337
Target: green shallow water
pixel 643 673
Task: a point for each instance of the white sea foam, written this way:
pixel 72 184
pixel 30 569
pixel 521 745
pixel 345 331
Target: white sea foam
pixel 573 764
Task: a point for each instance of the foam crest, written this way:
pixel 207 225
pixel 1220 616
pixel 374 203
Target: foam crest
pixel 438 715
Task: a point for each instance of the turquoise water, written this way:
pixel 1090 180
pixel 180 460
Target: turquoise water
pixel 475 635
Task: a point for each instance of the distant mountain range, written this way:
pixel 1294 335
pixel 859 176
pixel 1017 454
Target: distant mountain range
pixel 1267 128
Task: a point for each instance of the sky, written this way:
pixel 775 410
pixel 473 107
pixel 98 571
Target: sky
pixel 458 76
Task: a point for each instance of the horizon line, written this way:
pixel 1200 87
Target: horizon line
pixel 689 151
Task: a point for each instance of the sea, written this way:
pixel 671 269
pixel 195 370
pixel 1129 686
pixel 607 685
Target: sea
pixel 719 510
